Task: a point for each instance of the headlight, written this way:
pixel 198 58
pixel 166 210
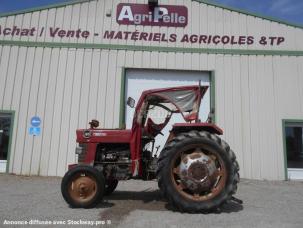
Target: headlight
pixel 81 151
pixel 81 148
pixel 87 134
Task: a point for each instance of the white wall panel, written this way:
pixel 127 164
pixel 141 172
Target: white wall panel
pixel 269 142
pixel 102 87
pixel 3 23
pixel 254 117
pixel 110 89
pixel 93 87
pixel 9 22
pixel 48 134
pixel 75 105
pixel 59 21
pixel 26 22
pixel 83 20
pixel 4 61
pixel 41 23
pixel 170 60
pixel 227 17
pixel 298 38
pixel 245 164
pixel 57 112
pixel 30 108
pixel 91 20
pixel 203 19
pixel 84 90
pixel 40 152
pixel 227 98
pixel 23 119
pixel 65 134
pixel 34 24
pixel 258 116
pixel 16 160
pixel 67 87
pixel 154 63
pixel 237 107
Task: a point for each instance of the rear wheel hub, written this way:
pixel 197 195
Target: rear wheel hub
pixel 198 172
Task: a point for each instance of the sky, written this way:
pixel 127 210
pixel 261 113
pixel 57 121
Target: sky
pixel 287 10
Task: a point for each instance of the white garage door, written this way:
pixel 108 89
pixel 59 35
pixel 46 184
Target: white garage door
pixel 139 80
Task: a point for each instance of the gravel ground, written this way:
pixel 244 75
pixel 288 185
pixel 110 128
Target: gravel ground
pixel 139 204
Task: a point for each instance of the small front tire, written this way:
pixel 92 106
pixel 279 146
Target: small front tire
pixel 83 187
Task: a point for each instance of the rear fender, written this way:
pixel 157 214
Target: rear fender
pixel 185 127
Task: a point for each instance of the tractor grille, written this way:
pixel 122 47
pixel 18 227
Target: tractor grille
pixel 81 151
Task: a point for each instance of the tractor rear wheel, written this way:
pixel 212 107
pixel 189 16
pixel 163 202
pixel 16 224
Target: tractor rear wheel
pixel 197 172
pixel 83 187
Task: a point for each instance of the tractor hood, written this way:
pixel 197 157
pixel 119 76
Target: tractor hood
pixel 103 135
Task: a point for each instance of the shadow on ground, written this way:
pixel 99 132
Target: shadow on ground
pixel 122 203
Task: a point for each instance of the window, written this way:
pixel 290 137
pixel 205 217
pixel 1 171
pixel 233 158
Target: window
pixel 294 144
pixel 5 130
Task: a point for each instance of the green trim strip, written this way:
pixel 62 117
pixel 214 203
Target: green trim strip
pixel 151 48
pixel 284 150
pixel 51 6
pixel 213 95
pixel 211 3
pixel 12 112
pixel 122 100
pixel 284 122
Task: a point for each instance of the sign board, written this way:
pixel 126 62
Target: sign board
pixel 35 131
pixel 143 14
pixel 35 121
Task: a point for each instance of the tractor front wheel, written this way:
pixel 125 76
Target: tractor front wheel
pixel 83 187
pixel 197 172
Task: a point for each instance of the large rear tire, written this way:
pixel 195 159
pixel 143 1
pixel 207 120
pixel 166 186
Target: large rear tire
pixel 197 172
pixel 83 187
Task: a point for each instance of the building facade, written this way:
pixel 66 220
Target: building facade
pixel 66 64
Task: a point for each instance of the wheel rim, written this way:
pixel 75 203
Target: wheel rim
pixel 198 174
pixel 82 188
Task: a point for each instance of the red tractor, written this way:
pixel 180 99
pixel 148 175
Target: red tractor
pixel 196 170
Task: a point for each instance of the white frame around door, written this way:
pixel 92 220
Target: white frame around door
pixel 170 74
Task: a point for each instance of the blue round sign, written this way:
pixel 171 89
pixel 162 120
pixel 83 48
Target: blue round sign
pixel 35 121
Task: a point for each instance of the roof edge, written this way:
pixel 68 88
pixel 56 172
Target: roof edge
pixel 211 3
pixel 39 8
pixel 208 2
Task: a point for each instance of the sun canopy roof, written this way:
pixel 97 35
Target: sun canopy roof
pixel 179 99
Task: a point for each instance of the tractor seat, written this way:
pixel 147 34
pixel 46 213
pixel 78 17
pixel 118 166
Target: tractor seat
pixel 190 117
